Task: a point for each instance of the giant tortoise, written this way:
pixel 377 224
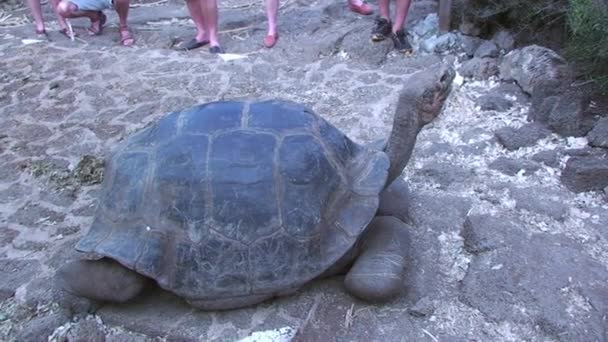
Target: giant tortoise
pixel 231 203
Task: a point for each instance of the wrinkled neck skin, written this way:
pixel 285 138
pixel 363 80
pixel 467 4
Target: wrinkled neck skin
pixel 406 125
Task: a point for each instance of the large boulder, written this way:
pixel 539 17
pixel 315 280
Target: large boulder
pixel 598 136
pixel 586 173
pixel 533 64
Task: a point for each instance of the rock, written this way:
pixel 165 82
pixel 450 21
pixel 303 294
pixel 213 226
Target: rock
pixel 426 27
pixel 469 44
pixel 564 114
pixel 423 307
pixel 469 28
pixel 533 64
pixel 487 49
pixel 482 233
pixel 7 236
pixel 512 167
pixel 439 44
pixel 585 174
pixel 543 280
pixel 86 330
pixel 540 201
pixel 36 293
pixel 443 173
pixel 598 136
pixel 89 170
pixel 526 135
pixel 479 68
pixel 14 274
pixel 357 47
pixel 510 91
pixel 549 158
pixel 40 328
pixel 504 40
pixel 493 102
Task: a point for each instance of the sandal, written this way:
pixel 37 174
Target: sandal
pixel 195 44
pixel 102 21
pixel 216 49
pixel 126 38
pixel 270 40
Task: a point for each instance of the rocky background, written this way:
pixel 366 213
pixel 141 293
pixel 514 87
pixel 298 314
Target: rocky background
pixel 508 187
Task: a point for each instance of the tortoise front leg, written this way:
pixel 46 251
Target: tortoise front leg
pixel 102 280
pixel 379 271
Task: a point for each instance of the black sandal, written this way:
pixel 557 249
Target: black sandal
pixel 195 44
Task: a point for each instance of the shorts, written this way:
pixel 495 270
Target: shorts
pixel 92 5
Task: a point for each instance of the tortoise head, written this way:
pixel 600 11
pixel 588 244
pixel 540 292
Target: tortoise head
pixel 426 91
pixel 420 102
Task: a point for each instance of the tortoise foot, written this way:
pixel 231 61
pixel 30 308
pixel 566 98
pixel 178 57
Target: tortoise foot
pixel 379 271
pixel 101 280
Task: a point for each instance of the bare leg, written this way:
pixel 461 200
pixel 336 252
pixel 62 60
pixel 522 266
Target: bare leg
pixel 196 12
pixel 384 6
pixel 103 280
pixel 61 20
pixel 209 10
pixel 379 271
pixel 403 7
pixel 122 9
pixel 67 9
pixel 272 8
pixel 36 10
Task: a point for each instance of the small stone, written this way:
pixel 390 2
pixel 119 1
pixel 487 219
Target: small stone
pixel 513 167
pixel 469 44
pixel 504 40
pixel 3 317
pixel 89 170
pixel 532 200
pixel 40 328
pixel 585 174
pixel 439 44
pixel 549 158
pixel 87 330
pixel 493 102
pixel 598 136
pixel 482 233
pixel 486 49
pixel 14 274
pixel 479 68
pixel 526 135
pixel 426 27
pixel 423 307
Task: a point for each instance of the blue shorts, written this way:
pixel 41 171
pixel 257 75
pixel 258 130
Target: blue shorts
pixel 92 5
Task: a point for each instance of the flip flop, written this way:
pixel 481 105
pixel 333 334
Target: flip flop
pixel 102 21
pixel 195 44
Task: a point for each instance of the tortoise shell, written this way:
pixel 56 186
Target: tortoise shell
pixel 230 199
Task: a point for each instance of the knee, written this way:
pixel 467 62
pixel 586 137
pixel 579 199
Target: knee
pixel 66 8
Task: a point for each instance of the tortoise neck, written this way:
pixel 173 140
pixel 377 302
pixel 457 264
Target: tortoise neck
pixel 406 125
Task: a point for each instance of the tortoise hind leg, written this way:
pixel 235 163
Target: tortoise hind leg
pixel 102 280
pixel 379 271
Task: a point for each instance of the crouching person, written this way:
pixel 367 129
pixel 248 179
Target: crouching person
pixel 93 9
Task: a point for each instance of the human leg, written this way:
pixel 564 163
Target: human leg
pixel 398 35
pixel 36 10
pixel 382 26
pixel 70 9
pixel 122 9
pixel 196 12
pixel 209 10
pixel 272 9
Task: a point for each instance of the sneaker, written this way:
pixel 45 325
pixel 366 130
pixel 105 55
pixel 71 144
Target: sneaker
pixel 401 43
pixel 381 30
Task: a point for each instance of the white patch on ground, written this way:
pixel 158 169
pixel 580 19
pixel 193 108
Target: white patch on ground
pixel 284 334
pixel 452 259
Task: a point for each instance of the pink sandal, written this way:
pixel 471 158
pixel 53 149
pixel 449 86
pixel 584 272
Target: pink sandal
pixel 363 9
pixel 126 38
